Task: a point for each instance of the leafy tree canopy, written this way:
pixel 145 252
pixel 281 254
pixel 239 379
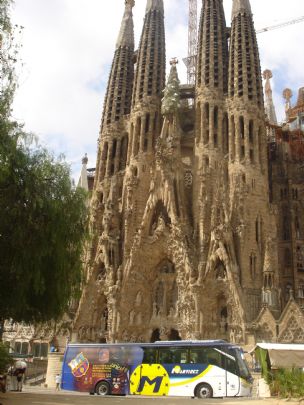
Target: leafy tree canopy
pixel 5 359
pixel 42 218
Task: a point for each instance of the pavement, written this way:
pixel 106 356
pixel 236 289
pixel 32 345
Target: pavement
pixel 48 396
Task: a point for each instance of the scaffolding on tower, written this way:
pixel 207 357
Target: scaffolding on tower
pixel 190 61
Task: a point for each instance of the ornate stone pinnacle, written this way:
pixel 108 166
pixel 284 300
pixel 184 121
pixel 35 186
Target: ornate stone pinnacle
pixel 267 74
pixel 130 3
pixel 174 61
pixel 85 159
pixel 269 105
pixel 287 94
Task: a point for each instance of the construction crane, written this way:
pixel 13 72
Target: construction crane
pixel 280 25
pixel 190 61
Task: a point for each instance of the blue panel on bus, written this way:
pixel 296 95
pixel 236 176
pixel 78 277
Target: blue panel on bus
pixel 85 366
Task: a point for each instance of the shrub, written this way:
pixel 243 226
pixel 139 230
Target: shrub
pixel 287 383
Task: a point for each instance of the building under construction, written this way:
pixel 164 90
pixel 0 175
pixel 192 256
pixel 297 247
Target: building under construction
pixel 197 213
pixel 197 209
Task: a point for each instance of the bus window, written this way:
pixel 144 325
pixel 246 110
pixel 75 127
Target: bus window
pixel 242 365
pixel 149 355
pixel 206 355
pixel 214 357
pixel 232 362
pixel 198 355
pixel 172 355
pixel 231 365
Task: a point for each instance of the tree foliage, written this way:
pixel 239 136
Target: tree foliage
pixel 42 218
pixel 5 359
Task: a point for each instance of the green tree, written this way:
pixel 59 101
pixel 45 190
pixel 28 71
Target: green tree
pixel 43 220
pixel 5 359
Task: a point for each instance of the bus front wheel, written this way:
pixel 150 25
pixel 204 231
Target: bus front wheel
pixel 203 391
pixel 102 388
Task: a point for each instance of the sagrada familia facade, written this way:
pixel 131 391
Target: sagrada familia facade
pixel 197 215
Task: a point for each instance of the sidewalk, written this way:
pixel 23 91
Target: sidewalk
pixel 40 389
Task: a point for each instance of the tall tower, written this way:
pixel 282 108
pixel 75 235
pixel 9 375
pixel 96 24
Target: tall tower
pixel 217 264
pixel 211 144
pixel 94 317
pixel 251 219
pixel 145 118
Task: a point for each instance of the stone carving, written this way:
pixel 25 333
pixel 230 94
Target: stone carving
pixel 195 193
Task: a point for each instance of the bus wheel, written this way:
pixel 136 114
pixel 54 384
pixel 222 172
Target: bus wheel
pixel 204 391
pixel 102 388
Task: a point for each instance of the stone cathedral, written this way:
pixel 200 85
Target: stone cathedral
pixel 196 215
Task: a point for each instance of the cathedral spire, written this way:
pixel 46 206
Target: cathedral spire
pixel 119 91
pixel 155 5
pixel 126 34
pixel 269 105
pixel 241 7
pixel 213 47
pixel 150 71
pixel 245 81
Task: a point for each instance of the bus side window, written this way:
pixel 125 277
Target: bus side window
pixel 183 358
pixel 198 355
pixel 165 356
pixel 173 355
pixel 215 358
pixel 194 357
pixel 149 355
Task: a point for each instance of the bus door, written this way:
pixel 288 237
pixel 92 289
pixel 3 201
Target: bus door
pixel 216 377
pixel 229 362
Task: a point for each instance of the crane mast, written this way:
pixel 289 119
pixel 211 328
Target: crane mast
pixel 190 61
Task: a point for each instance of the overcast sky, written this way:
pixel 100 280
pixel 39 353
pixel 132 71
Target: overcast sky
pixel 68 47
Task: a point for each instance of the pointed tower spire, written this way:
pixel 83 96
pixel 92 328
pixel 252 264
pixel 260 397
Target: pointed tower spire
pixel 155 5
pixel 126 34
pixel 241 7
pixel 119 91
pixel 269 291
pixel 171 100
pixel 212 70
pixel 244 65
pixel 83 179
pixel 150 72
pixel 269 105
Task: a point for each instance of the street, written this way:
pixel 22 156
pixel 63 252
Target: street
pixel 29 398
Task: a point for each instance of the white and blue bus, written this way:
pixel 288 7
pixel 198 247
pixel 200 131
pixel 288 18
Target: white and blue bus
pixel 202 369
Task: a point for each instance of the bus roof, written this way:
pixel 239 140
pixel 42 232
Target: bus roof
pixel 162 343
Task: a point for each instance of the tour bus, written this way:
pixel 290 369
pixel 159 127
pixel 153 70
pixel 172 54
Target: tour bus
pixel 202 369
